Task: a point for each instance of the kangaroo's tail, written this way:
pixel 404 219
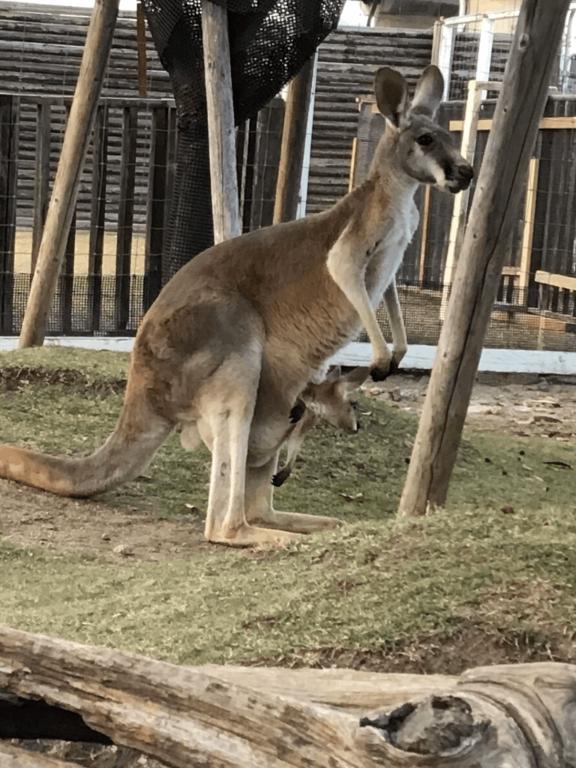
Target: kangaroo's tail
pixel 128 450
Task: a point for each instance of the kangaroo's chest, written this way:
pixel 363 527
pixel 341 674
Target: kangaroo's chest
pixel 387 249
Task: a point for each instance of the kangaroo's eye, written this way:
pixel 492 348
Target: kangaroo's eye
pixel 354 404
pixel 425 140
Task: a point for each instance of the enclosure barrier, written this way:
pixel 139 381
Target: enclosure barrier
pixel 520 716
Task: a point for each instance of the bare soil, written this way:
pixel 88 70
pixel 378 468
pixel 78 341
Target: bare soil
pixel 534 407
pixel 31 518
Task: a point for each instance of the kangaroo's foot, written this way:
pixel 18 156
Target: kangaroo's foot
pixel 298 523
pixel 381 370
pixel 252 536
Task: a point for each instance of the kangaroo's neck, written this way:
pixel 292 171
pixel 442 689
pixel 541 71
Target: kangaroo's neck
pixel 386 166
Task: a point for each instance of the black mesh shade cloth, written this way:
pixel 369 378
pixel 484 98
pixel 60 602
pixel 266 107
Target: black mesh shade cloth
pixel 270 40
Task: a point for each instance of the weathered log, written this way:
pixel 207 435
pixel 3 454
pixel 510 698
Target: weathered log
pixel 16 757
pixel 520 716
pixel 24 719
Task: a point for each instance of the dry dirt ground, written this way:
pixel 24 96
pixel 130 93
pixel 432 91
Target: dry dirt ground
pixel 543 407
pixel 539 407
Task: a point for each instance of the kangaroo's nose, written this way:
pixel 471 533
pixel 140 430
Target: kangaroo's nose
pixel 465 172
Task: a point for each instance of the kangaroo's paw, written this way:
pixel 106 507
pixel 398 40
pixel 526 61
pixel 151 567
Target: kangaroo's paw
pixel 297 412
pixel 251 536
pixel 281 476
pixel 380 370
pixel 299 523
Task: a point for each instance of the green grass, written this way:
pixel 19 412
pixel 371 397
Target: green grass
pixel 372 587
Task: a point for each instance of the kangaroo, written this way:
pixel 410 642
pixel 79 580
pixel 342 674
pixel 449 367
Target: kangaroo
pixel 330 401
pixel 238 333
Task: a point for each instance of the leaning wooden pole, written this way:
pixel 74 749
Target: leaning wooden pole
pixel 221 133
pixel 494 213
pixel 293 144
pixel 65 189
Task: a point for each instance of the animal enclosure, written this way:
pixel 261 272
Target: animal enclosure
pixel 113 267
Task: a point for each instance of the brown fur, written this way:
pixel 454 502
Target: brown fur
pixel 236 336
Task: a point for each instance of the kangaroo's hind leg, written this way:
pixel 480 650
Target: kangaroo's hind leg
pixel 260 509
pixel 229 411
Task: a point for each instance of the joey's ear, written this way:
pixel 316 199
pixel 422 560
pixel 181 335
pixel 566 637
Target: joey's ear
pixel 391 94
pixel 334 374
pixel 354 378
pixel 429 92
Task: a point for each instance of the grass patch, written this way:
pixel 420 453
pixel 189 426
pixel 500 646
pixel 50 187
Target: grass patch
pixel 367 588
pixel 376 586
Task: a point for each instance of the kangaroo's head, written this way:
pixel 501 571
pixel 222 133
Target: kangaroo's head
pixel 422 149
pixel 331 400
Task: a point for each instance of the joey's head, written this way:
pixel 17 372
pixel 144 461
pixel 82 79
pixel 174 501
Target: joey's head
pixel 332 400
pixel 423 150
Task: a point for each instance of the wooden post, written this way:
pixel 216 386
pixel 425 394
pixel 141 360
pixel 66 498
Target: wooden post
pixel 494 213
pixel 528 232
pixel 141 43
pixel 293 144
pixel 221 135
pixel 9 128
pixel 64 192
pixel 460 209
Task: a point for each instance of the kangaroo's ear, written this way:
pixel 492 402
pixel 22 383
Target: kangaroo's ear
pixel 429 92
pixel 334 374
pixel 391 93
pixel 354 378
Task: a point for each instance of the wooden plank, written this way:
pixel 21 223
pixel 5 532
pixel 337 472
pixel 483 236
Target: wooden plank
pixel 141 42
pixel 125 218
pixel 269 125
pixel 528 231
pixel 63 200
pixel 67 278
pixel 460 208
pixel 249 172
pixel 424 222
pixel 546 124
pixel 221 138
pixel 42 176
pixel 9 108
pixel 97 215
pixel 478 273
pixel 293 144
pixel 157 202
pixel 557 281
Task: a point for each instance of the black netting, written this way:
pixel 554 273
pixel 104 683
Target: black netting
pixel 270 40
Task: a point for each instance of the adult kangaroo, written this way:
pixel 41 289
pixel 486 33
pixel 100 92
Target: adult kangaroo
pixel 237 334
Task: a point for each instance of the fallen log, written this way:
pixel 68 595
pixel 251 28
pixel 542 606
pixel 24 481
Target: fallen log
pixel 520 716
pixel 15 757
pixel 25 719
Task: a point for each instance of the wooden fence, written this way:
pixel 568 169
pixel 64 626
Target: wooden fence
pixel 112 269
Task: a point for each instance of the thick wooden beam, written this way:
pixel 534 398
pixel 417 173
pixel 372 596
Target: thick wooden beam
pixel 293 144
pixel 65 189
pixel 221 134
pixel 494 213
